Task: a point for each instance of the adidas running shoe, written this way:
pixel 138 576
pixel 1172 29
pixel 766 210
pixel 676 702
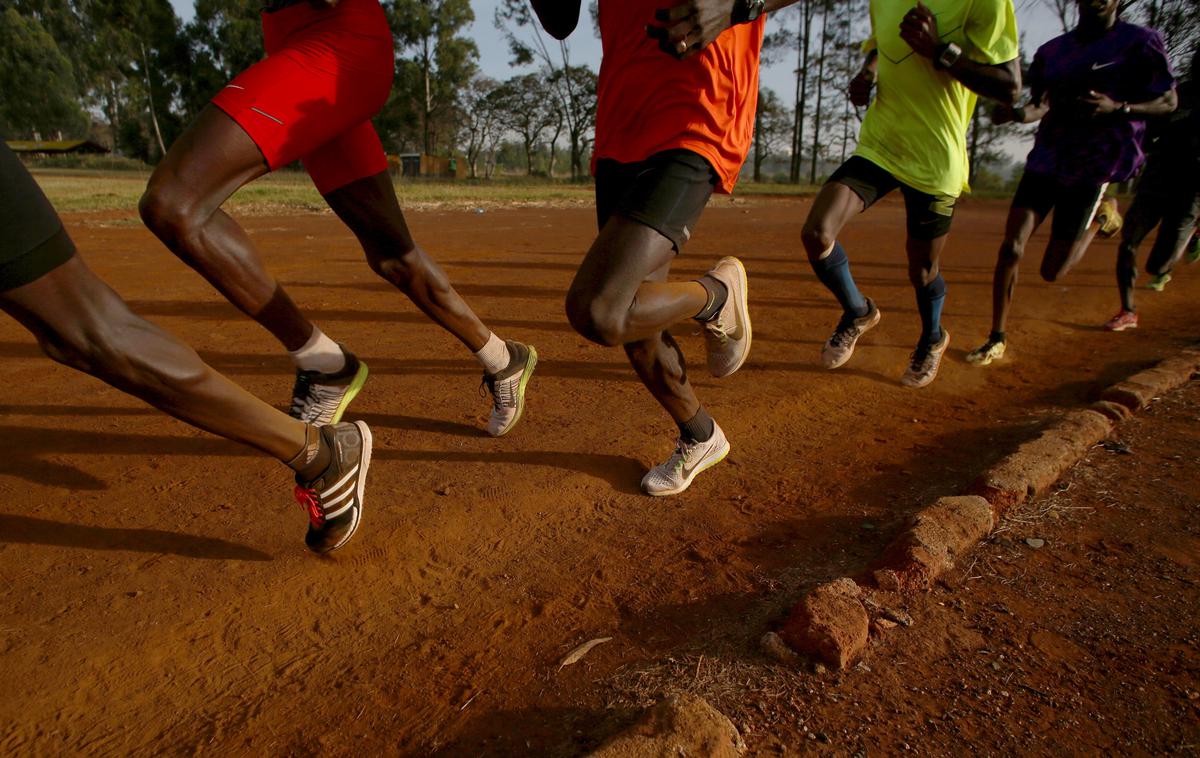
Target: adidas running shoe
pixel 727 335
pixel 1122 321
pixel 334 499
pixel 1109 218
pixel 840 346
pixel 992 350
pixel 924 363
pixel 689 459
pixel 321 399
pixel 507 388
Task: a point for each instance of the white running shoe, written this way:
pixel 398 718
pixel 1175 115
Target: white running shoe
pixel 986 353
pixel 688 460
pixel 840 345
pixel 924 363
pixel 508 388
pixel 727 336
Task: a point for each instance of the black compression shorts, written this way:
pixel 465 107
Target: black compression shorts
pixel 667 192
pixel 32 239
pixel 929 216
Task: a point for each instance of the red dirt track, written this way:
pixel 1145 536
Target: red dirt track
pixel 160 598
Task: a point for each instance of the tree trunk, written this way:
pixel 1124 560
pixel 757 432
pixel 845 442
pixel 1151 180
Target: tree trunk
pixel 427 108
pixel 758 148
pixel 802 35
pixel 812 173
pixel 162 148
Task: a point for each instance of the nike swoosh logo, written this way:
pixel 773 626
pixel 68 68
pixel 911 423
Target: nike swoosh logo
pixel 1098 66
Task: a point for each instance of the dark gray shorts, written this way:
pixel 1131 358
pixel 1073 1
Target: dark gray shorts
pixel 667 192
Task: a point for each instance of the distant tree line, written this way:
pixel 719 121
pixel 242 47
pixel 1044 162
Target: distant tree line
pixel 130 73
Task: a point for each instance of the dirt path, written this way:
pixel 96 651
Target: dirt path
pixel 164 601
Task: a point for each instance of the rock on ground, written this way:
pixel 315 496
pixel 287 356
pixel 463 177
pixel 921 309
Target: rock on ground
pixel 829 624
pixel 679 725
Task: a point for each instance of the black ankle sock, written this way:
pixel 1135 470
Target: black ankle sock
pixel 698 428
pixel 997 336
pixel 718 293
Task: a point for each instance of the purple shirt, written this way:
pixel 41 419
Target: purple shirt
pixel 1129 64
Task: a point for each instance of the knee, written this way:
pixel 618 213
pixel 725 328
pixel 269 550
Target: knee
pixel 594 320
pixel 1050 271
pixel 164 209
pixel 397 268
pixel 817 237
pixel 921 275
pixel 1011 252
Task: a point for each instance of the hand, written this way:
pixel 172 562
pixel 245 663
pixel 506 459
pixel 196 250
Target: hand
pixel 860 88
pixel 919 30
pixel 691 26
pixel 1003 114
pixel 1098 104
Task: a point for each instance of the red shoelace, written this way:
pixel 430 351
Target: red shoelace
pixel 307 498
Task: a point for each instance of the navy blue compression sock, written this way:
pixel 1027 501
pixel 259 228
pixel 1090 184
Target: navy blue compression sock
pixel 930 300
pixel 834 272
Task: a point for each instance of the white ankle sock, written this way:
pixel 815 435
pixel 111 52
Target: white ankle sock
pixel 319 354
pixel 493 356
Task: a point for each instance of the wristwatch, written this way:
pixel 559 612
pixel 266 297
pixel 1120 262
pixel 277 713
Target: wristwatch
pixel 1124 109
pixel 745 11
pixel 947 55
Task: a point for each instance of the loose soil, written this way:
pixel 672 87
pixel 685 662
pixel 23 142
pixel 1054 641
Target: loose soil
pixel 161 600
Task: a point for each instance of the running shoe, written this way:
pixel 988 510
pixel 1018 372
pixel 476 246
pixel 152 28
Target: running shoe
pixel 1193 249
pixel 1122 321
pixel 992 350
pixel 924 362
pixel 688 460
pixel 840 346
pixel 1158 283
pixel 727 335
pixel 1109 218
pixel 334 499
pixel 321 399
pixel 508 388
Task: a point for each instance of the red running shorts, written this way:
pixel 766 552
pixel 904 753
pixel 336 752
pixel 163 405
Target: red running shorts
pixel 328 71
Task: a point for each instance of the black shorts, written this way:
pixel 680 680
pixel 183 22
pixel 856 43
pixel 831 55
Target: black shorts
pixel 667 192
pixel 32 239
pixel 929 216
pixel 1074 206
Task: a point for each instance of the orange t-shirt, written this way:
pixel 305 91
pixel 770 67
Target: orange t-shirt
pixel 649 102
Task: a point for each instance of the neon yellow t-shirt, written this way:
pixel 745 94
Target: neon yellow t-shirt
pixel 916 128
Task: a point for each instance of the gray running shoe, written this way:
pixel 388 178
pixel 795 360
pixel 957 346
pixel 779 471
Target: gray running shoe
pixel 727 336
pixel 924 363
pixel 334 500
pixel 321 399
pixel 840 345
pixel 688 460
pixel 508 388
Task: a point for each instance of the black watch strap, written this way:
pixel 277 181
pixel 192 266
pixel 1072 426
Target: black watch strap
pixel 745 11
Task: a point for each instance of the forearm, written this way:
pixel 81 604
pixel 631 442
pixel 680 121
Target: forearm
pixel 1159 106
pixel 559 17
pixel 998 82
pixel 1031 112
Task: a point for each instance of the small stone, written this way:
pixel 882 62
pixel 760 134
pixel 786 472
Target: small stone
pixel 773 646
pixel 863 668
pixel 819 669
pixel 134 593
pixel 1035 542
pixel 442 489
